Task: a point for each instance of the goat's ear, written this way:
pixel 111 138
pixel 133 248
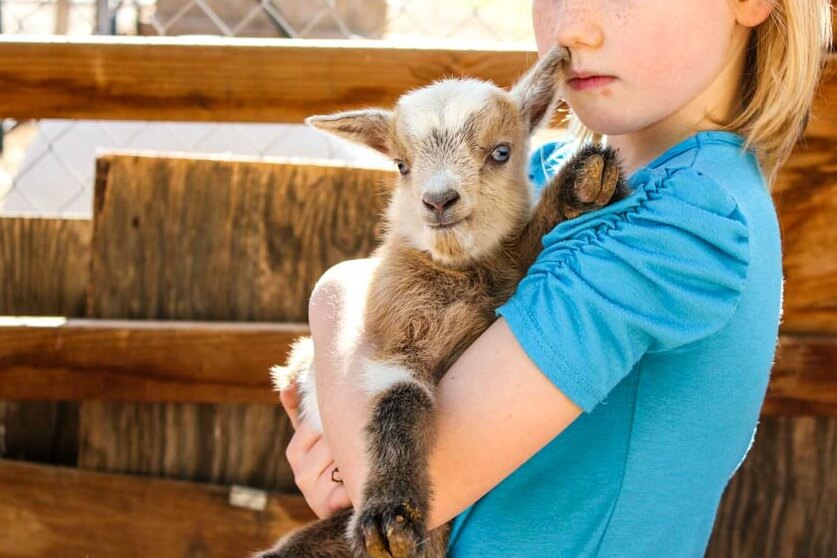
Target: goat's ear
pixel 369 127
pixel 537 91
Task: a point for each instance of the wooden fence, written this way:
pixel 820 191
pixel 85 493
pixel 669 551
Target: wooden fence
pixel 148 403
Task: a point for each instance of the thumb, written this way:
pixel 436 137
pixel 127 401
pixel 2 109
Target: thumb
pixel 290 401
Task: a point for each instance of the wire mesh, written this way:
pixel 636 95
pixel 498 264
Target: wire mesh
pixel 47 166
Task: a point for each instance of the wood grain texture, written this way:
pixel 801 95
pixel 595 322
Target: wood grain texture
pixel 783 500
pixel 225 79
pixel 44 266
pixel 803 380
pixel 222 444
pixel 212 239
pixel 143 361
pixel 216 362
pixel 805 195
pixel 50 511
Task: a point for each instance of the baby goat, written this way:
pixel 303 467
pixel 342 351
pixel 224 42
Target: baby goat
pixel 462 229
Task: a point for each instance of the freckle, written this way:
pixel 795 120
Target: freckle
pixel 607 92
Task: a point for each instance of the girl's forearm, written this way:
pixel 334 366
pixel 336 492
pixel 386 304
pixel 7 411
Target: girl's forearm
pixel 495 408
pixel 344 408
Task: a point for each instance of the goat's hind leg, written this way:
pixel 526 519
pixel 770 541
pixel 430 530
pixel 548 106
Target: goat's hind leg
pixel 392 521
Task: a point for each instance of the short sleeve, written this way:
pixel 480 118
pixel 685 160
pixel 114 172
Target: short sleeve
pixel 662 268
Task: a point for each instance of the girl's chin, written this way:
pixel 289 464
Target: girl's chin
pixel 608 126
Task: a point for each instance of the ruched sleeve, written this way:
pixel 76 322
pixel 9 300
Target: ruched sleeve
pixel 655 271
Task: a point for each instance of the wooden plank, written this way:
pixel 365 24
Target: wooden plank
pixel 232 79
pixel 220 443
pixel 783 500
pixel 205 362
pixel 142 361
pixel 803 380
pixel 44 266
pixel 213 239
pixel 48 511
pixel 805 195
pixel 234 239
pixel 225 79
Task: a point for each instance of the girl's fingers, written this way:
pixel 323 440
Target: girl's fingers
pixel 301 443
pixel 317 462
pixel 290 401
pixel 338 500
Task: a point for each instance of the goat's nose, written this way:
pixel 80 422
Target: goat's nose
pixel 438 202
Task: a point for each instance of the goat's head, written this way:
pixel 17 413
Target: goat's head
pixel 461 146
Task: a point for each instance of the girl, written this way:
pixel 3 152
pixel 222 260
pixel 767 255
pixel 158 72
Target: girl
pixel 606 409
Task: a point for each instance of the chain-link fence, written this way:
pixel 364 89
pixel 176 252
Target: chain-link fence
pixel 46 166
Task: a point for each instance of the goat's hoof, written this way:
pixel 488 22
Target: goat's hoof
pixel 391 530
pixel 595 178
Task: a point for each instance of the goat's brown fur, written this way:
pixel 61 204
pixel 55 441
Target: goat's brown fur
pixel 426 305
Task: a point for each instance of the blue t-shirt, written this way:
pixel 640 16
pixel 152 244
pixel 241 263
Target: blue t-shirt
pixel 658 315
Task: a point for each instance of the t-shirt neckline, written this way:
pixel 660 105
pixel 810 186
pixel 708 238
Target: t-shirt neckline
pixel 691 142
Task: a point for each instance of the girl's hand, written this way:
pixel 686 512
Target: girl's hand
pixel 312 463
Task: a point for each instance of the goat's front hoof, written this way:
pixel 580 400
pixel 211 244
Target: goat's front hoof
pixel 391 530
pixel 596 175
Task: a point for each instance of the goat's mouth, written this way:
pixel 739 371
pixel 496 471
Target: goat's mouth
pixel 446 224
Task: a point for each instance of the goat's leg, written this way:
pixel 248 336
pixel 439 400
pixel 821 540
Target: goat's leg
pixel 392 519
pixel 590 180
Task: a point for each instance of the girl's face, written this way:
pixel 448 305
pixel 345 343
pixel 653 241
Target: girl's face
pixel 653 57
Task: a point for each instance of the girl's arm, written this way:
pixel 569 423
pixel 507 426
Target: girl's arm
pixel 495 408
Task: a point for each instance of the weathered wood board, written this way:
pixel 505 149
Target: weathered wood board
pixel 214 240
pixel 44 266
pixel 224 79
pixel 233 79
pixel 142 360
pixel 782 503
pixel 51 511
pixel 178 238
pixel 226 362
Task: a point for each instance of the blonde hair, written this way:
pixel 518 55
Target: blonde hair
pixel 784 60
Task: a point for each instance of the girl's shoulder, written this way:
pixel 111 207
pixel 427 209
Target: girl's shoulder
pixel 707 175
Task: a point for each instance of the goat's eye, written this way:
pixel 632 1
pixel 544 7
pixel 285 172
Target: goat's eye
pixel 402 167
pixel 501 153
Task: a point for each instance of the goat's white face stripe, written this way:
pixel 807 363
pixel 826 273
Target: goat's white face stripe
pixel 444 107
pixel 440 181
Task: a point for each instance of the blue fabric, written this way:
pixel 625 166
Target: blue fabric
pixel 658 315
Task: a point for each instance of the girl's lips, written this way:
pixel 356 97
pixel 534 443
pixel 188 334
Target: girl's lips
pixel 590 82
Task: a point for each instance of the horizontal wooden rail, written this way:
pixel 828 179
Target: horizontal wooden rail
pixel 143 361
pixel 215 79
pixel 52 511
pixel 163 361
pixel 236 79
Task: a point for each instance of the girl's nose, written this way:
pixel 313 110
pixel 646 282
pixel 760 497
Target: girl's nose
pixel 578 25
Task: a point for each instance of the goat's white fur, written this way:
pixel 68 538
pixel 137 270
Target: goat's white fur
pixel 380 376
pixel 445 105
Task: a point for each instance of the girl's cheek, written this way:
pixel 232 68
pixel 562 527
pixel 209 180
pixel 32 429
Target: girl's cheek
pixel 543 23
